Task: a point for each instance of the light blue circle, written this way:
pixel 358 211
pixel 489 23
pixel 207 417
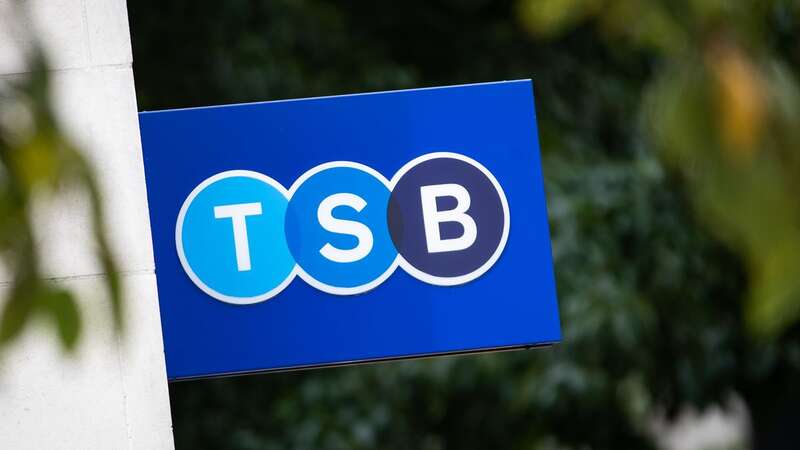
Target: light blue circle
pixel 306 236
pixel 207 247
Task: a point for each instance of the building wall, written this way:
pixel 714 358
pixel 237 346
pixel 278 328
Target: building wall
pixel 112 394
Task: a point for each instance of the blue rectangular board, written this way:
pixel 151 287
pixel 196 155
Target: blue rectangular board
pixel 346 229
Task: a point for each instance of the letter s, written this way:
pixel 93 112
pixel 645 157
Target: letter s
pixel 341 226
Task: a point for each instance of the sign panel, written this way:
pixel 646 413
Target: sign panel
pixel 337 230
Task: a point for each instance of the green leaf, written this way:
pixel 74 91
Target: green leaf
pixel 63 310
pixel 104 253
pixel 16 312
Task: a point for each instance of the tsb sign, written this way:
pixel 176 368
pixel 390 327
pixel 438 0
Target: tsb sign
pixel 342 227
pixel 224 238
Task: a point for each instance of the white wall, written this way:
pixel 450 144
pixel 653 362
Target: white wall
pixel 113 393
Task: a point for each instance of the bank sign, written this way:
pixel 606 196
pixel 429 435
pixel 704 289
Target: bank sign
pixel 337 230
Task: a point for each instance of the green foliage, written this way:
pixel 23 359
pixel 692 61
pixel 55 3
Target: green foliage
pixel 651 302
pixel 724 110
pixel 37 161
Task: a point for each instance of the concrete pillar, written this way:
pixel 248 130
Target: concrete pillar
pixel 112 394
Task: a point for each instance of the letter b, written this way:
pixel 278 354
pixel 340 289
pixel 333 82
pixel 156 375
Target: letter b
pixel 433 217
pixel 448 218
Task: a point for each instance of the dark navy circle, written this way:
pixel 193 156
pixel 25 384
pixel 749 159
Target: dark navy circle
pixel 487 209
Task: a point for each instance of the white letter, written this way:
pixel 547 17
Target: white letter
pixel 357 229
pixel 237 214
pixel 432 217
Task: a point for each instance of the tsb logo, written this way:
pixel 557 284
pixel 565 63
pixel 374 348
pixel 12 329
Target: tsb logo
pixel 342 227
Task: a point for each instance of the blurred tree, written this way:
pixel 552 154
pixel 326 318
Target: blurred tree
pixel 651 303
pixel 37 163
pixel 723 107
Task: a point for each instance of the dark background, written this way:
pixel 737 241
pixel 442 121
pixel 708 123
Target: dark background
pixel 650 302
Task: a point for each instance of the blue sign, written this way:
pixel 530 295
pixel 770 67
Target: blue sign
pixel 337 230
